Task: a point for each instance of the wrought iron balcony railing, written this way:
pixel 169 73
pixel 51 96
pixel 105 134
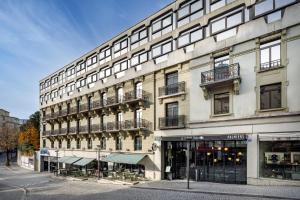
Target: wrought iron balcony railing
pixel 172 122
pixel 73 130
pixel 136 124
pixel 73 110
pixel 83 129
pixel 172 89
pixel 270 65
pixel 63 113
pixel 220 74
pixel 84 107
pixel 136 95
pixel 98 128
pixel 63 131
pixel 114 126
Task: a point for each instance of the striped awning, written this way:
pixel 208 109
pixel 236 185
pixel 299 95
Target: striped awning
pixel 83 161
pixel 124 158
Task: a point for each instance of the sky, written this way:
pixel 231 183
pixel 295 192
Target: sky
pixel 37 37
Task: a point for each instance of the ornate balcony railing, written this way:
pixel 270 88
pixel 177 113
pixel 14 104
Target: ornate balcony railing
pixel 220 74
pixel 113 126
pixel 63 131
pixel 273 64
pixel 111 101
pixel 84 107
pixel 97 128
pixel 172 89
pixel 73 110
pixel 63 113
pixel 72 130
pixel 47 133
pixel 136 124
pixel 172 122
pixel 136 95
pixel 83 129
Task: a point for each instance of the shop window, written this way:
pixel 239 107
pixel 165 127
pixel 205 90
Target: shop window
pixel 189 11
pixel 280 159
pixel 190 36
pixel 119 143
pixel 270 55
pixel 270 96
pixel 221 103
pixel 138 143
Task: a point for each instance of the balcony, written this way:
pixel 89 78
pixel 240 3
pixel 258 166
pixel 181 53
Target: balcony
pixel 274 64
pixel 136 124
pixel 136 96
pixel 63 113
pixel 113 126
pixel 63 131
pixel 172 122
pixel 172 89
pixel 73 111
pixel 84 108
pixel 47 133
pixel 97 128
pixel 83 129
pixel 228 75
pixel 72 130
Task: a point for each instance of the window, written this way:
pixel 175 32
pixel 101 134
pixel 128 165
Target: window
pixel 139 58
pixel 104 98
pixel 171 83
pixel 138 118
pixel 190 36
pixel 226 22
pixel 70 71
pixel 103 143
pixel 270 55
pixel 268 6
pixel 61 77
pixel 189 11
pixel 119 143
pixel 89 143
pixel 59 144
pixel 172 114
pixel 92 60
pixel 216 4
pixel 44 143
pixel 68 143
pixel 118 46
pixel 120 94
pixel 105 72
pixel 138 35
pixel 138 143
pixel 91 78
pixel 121 66
pixel 221 61
pixel 139 90
pixel 70 87
pixel 162 25
pixel 270 96
pixel 161 49
pixel 105 55
pixel 279 158
pixel 61 91
pixel 52 144
pixel 80 83
pixel 78 143
pixel 221 103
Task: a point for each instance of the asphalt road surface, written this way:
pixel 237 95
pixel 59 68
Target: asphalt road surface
pixel 20 184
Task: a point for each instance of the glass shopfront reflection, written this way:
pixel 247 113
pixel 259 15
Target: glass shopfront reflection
pixel 216 161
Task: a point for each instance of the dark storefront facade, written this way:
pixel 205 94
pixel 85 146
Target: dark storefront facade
pixel 212 158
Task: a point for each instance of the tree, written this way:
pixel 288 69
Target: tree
pixel 34 120
pixel 29 139
pixel 8 139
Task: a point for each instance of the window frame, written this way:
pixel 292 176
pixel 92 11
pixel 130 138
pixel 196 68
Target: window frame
pixel 160 45
pixel 226 18
pixel 119 42
pixel 138 32
pixel 269 95
pixel 189 4
pixel 138 55
pixel 92 62
pixel 274 9
pixel 160 20
pixel 120 66
pixel 189 32
pixel 104 51
pixel 269 47
pixel 138 143
pixel 214 106
pixel 104 70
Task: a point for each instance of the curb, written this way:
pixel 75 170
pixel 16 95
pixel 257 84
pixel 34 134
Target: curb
pixel 218 193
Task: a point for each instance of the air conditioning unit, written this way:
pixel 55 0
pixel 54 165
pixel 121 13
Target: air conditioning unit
pixel 274 157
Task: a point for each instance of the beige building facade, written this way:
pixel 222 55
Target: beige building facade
pixel 216 78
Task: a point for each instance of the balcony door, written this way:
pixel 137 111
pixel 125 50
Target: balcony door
pixel 171 83
pixel 138 118
pixel 120 95
pixel 172 114
pixel 221 68
pixel 138 90
pixel 119 119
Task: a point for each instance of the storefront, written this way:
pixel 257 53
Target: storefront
pixel 212 158
pixel 279 158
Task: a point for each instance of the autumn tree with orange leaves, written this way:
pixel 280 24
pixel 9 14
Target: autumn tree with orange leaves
pixel 29 140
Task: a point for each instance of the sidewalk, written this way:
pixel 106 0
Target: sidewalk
pixel 275 192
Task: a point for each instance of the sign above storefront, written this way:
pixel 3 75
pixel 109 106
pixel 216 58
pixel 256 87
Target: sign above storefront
pixel 206 137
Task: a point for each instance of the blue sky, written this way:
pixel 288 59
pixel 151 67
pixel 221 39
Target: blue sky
pixel 39 36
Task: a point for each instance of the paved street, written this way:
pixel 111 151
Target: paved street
pixel 17 183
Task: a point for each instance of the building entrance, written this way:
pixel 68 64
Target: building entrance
pixel 215 161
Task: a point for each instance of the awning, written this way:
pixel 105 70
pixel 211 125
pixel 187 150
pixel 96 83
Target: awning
pixel 72 159
pixel 124 158
pixel 63 159
pixel 83 161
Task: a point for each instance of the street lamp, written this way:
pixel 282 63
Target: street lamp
pixel 98 147
pixel 56 151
